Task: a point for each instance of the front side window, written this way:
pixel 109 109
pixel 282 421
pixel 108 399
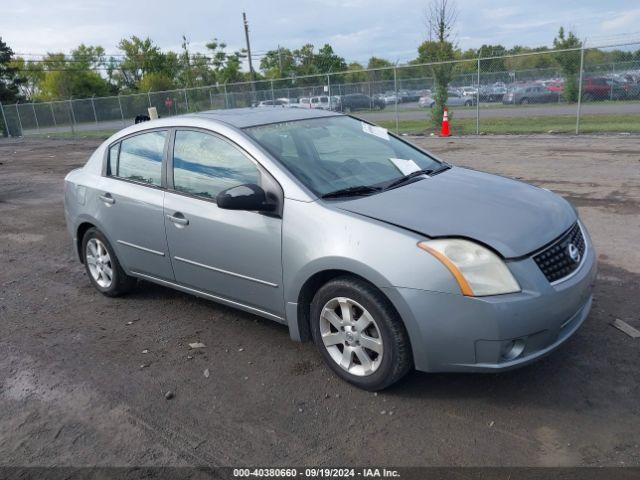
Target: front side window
pixel 204 165
pixel 332 153
pixel 140 158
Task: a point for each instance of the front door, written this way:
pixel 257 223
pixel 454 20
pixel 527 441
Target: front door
pixel 232 254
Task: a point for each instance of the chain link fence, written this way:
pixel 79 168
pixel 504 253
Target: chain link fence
pixel 594 89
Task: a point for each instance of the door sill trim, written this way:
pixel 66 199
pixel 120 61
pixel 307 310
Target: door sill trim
pixel 227 272
pixel 209 296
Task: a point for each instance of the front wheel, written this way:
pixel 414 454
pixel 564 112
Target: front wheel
pixel 102 265
pixel 468 103
pixel 359 334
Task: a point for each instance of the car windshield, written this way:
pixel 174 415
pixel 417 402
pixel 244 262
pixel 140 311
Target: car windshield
pixel 334 153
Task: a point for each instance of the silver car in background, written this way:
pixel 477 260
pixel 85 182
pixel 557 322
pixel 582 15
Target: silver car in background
pixel 386 257
pixel 455 98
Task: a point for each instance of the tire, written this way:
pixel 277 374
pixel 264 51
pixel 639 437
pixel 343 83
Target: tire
pixel 588 97
pixel 347 109
pixel 524 101
pixel 100 259
pixel 468 103
pixel 390 353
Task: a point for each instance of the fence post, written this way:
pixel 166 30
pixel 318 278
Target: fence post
pixel 121 112
pixel 273 95
pixel 73 118
pixel 35 116
pixel 186 100
pixel 478 100
pixel 19 121
pixel 226 100
pixel 580 91
pixel 93 107
pixel 53 115
pixel 329 89
pixel 4 118
pixel 149 97
pixel 395 88
pixel 210 99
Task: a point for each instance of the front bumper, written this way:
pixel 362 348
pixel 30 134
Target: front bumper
pixel 454 333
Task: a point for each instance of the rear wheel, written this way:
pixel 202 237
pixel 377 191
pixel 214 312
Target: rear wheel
pixel 468 103
pixel 524 101
pixel 102 265
pixel 359 334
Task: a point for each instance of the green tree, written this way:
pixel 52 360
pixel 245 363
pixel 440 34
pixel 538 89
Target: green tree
pixel 73 76
pixel 356 73
pixel 278 63
pixel 10 80
pixel 156 82
pixel 569 62
pixel 441 21
pixel 10 77
pixel 227 66
pixel 32 74
pixel 140 58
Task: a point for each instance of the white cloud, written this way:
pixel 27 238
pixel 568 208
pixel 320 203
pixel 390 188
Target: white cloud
pixel 624 20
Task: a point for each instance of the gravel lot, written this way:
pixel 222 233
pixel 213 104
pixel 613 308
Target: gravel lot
pixel 77 389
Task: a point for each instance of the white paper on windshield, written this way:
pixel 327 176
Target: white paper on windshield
pixel 405 166
pixel 377 131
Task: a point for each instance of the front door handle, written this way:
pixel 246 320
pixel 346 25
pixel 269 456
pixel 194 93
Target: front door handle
pixel 107 198
pixel 178 219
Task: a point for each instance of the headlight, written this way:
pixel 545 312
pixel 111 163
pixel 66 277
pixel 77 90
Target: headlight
pixel 477 269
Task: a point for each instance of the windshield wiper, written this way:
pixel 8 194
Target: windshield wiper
pixel 358 190
pixel 406 178
pixel 417 173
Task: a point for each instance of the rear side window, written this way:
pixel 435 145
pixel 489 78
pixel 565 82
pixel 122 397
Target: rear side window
pixel 140 158
pixel 113 159
pixel 204 165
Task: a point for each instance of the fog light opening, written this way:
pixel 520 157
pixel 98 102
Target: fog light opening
pixel 513 349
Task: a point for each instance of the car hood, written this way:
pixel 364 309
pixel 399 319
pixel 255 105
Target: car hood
pixel 512 217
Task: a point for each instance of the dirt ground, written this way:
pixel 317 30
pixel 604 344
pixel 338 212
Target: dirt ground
pixel 77 389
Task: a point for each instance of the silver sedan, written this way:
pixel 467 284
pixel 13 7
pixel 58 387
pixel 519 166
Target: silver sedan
pixel 385 256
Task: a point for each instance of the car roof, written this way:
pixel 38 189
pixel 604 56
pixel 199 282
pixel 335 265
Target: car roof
pixel 251 117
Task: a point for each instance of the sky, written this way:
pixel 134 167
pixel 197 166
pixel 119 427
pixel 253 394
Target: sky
pixel 357 29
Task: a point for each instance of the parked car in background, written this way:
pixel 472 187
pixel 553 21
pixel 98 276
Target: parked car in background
pixel 602 88
pixel 359 101
pixel 278 102
pixel 455 99
pixel 388 98
pixel 408 96
pixel 530 93
pixel 320 101
pixel 492 93
pixel 304 102
pixel 468 91
pixel 317 221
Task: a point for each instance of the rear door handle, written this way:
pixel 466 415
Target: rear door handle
pixel 107 198
pixel 178 219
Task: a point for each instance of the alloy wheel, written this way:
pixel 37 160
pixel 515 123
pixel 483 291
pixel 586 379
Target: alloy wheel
pixel 99 263
pixel 351 336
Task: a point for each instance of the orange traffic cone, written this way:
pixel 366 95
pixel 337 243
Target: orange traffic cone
pixel 444 131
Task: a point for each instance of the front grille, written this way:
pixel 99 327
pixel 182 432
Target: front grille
pixel 555 261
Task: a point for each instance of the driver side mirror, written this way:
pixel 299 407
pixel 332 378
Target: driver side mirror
pixel 249 196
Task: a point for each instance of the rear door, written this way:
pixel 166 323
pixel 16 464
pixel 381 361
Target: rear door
pixel 130 203
pixel 232 254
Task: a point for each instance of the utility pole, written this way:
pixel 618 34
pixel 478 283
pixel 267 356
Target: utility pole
pixel 246 36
